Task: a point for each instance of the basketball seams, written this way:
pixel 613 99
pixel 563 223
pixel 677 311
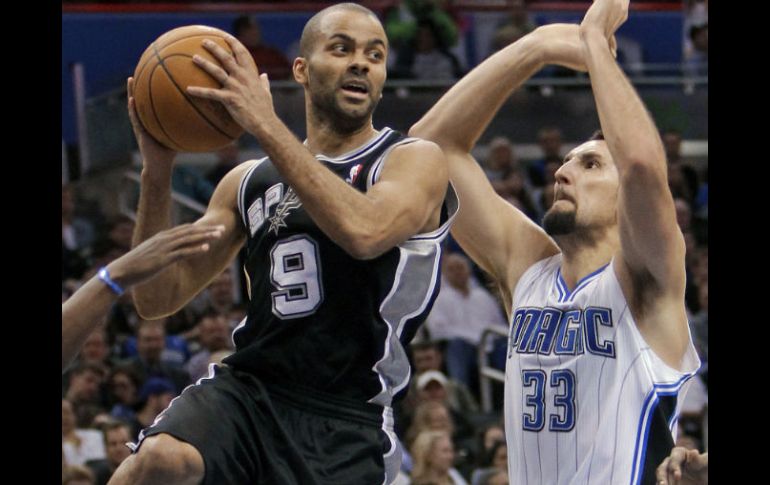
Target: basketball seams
pixel 155 48
pixel 177 147
pixel 162 63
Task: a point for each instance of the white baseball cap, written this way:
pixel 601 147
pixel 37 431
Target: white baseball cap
pixel 431 375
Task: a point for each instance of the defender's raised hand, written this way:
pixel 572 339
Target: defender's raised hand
pixel 605 15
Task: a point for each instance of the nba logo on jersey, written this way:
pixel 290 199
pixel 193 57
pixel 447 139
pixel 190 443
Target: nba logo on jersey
pixel 353 173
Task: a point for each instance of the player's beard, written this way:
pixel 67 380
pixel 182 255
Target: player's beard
pixel 328 110
pixel 559 223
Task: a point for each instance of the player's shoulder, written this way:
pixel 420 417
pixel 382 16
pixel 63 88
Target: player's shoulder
pixel 426 153
pixel 230 185
pixel 238 172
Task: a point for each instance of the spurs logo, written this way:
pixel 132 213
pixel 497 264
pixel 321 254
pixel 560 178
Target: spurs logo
pixel 289 202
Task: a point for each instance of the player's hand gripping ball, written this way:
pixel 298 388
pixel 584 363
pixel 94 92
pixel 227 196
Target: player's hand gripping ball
pixel 174 118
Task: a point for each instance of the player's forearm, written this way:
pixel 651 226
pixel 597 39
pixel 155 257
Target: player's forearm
pixel 628 128
pixel 154 215
pixel 459 118
pixel 347 216
pixel 81 314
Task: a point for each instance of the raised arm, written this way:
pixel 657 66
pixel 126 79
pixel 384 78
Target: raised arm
pixel 652 245
pixel 180 282
pixel 405 201
pixel 499 237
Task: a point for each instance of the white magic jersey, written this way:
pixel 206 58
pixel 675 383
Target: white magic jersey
pixel 586 399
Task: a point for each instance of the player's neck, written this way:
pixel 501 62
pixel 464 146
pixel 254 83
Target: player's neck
pixel 581 258
pixel 323 139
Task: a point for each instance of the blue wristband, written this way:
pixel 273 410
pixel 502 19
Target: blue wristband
pixel 104 275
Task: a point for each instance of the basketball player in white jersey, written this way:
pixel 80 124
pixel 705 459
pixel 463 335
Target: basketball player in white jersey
pixel 599 349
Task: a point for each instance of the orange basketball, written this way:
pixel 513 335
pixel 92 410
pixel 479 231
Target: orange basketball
pixel 174 118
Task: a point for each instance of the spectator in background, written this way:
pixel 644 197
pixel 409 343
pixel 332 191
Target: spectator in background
pixel 150 344
pixel 544 196
pixel 459 316
pixel 213 336
pixel 433 454
pixel 220 294
pixel 550 141
pixel 77 475
pixel 120 231
pixel 500 160
pixel 83 391
pixel 677 183
pixel 124 387
pixel 493 460
pixel 116 434
pixel 517 25
pixel 269 60
pixel 426 58
pixel 486 439
pixel 96 350
pixel 402 20
pixel 402 25
pixel 77 234
pixel 175 348
pixel 514 190
pixel 227 159
pixel 78 444
pixel 697 62
pixel 493 477
pixel 702 199
pixel 672 144
pixel 427 356
pixel 432 411
pixel 155 396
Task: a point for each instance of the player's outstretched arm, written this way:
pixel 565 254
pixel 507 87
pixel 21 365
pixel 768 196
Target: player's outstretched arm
pixel 404 201
pixel 652 245
pixel 499 237
pixel 83 311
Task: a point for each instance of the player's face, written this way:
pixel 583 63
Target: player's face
pixel 346 71
pixel 585 192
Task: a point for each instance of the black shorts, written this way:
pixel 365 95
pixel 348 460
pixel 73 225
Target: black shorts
pixel 248 434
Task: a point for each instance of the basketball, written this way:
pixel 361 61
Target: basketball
pixel 173 117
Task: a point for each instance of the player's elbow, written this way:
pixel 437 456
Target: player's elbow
pixel 366 245
pixel 149 305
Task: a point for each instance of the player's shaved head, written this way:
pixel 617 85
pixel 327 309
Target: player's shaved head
pixel 313 26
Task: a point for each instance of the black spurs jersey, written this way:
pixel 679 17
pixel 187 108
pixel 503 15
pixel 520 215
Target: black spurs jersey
pixel 320 320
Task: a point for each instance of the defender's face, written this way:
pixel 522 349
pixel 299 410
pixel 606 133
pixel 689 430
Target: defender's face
pixel 346 71
pixel 586 187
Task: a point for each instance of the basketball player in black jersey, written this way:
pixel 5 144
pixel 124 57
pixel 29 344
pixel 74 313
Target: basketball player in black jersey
pixel 343 240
